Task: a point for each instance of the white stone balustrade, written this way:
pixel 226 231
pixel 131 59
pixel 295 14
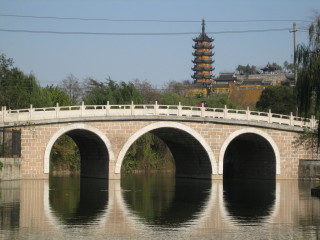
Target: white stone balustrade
pixel 66 112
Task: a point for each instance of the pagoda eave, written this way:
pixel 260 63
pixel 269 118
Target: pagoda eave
pixel 203 46
pixel 202 68
pixel 206 61
pixel 209 54
pixel 206 76
pixel 203 38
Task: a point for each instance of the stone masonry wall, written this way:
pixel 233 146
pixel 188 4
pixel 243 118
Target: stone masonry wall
pixel 309 169
pixel 10 169
pixel 275 78
pixel 34 139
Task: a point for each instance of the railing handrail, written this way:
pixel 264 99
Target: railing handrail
pixel 60 112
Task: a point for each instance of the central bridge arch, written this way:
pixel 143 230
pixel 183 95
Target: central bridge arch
pixel 192 154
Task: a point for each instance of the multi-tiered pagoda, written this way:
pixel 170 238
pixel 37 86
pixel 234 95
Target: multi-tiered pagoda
pixel 203 58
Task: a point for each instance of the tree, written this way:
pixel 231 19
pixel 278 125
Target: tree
pixel 308 66
pixel 149 93
pixel 246 70
pixel 101 93
pixel 289 67
pixel 308 60
pixel 280 99
pixel 177 87
pixel 71 86
pixel 276 66
pixel 57 95
pixel 18 90
pixel 65 155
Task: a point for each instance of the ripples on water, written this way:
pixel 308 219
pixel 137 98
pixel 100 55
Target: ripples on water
pixel 157 207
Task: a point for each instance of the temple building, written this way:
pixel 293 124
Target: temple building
pixel 203 59
pixel 268 69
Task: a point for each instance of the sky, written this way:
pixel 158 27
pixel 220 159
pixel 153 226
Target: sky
pixel 133 52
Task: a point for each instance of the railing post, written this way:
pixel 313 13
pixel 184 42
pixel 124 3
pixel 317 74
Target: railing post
pixel 179 109
pixel 225 112
pixel 2 114
pixel 107 109
pixel 291 119
pixel 156 108
pixel 248 113
pixel 132 108
pixel 202 110
pixel 30 112
pixel 313 122
pixel 82 108
pixel 57 110
pixel 269 116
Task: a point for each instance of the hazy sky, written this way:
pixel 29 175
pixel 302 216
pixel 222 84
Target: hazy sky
pixel 156 58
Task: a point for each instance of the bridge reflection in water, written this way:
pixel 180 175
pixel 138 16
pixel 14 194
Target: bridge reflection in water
pixel 157 208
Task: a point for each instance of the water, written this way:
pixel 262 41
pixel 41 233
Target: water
pixel 157 207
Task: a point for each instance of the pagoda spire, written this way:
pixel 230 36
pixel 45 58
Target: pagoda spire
pixel 203 26
pixel 203 58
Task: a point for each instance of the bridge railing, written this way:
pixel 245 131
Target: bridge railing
pixel 69 112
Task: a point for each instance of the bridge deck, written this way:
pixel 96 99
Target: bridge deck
pixel 147 112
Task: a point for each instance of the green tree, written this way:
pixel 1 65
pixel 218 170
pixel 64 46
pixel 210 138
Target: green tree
pixel 18 90
pixel 246 70
pixel 308 64
pixel 280 99
pixel 289 67
pixel 57 95
pixel 276 66
pixel 100 93
pixel 173 99
pixel 308 60
pixel 65 156
pixel 148 153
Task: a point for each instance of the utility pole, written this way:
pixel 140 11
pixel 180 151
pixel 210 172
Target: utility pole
pixel 295 53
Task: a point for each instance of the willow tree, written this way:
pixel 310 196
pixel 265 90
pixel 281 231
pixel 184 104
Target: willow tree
pixel 308 67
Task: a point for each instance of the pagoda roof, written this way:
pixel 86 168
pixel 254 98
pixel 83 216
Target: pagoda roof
pixel 208 61
pixel 197 68
pixel 203 46
pixel 199 76
pixel 203 37
pixel 268 68
pixel 196 53
pixel 226 77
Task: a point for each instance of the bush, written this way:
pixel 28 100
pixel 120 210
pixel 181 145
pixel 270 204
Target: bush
pixel 280 99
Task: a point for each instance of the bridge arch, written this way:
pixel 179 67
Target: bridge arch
pixel 184 143
pixel 255 135
pixel 88 139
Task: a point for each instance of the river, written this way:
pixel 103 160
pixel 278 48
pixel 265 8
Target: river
pixel 158 206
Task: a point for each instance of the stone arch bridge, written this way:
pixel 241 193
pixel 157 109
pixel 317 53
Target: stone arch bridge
pixel 205 142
